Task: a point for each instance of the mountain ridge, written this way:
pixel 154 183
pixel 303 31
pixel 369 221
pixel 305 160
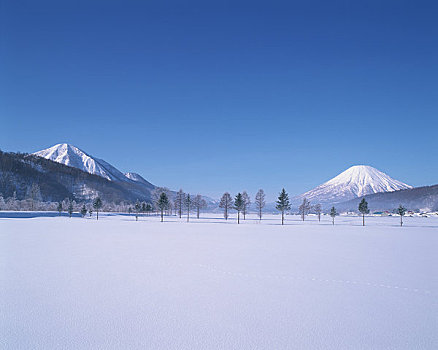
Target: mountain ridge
pixel 73 156
pixel 416 198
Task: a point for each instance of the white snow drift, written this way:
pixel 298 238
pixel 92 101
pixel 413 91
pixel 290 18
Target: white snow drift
pixel 210 284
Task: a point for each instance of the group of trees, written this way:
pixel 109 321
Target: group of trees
pixel 241 203
pixel 363 209
pixel 283 205
pixel 141 208
pixel 161 203
pixel 182 204
pixel 33 202
pixel 70 205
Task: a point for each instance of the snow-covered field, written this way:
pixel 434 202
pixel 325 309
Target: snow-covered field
pixel 119 284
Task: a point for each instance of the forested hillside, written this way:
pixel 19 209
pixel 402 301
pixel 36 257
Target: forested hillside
pixel 18 172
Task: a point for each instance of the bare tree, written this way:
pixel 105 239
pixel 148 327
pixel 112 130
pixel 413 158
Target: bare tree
pixel 65 203
pixel 179 202
pixel 246 204
pixel 260 202
pixel 304 208
pixel 317 209
pixel 170 208
pixel 226 203
pixel 199 203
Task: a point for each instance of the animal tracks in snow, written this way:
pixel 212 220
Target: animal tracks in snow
pixel 313 279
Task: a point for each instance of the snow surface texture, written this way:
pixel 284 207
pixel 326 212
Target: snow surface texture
pixel 72 156
pixel 210 284
pixel 356 181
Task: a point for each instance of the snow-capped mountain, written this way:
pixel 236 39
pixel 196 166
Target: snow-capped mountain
pixel 73 156
pixel 357 181
pixel 132 185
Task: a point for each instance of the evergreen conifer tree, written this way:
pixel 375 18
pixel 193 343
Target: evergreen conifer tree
pixel 363 208
pixel 333 214
pixel 188 204
pixel 239 205
pixel 401 210
pixel 156 194
pixel 283 204
pixel 148 208
pixel 163 204
pixel 97 204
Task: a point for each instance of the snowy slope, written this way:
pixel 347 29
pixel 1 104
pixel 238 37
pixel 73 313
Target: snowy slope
pixel 136 177
pixel 72 156
pixel 357 181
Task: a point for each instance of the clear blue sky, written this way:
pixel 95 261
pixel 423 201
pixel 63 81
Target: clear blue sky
pixel 215 96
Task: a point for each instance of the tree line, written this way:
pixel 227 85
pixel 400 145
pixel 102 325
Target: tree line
pixel 184 204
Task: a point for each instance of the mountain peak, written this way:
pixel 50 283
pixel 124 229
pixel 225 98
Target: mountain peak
pixel 361 168
pixel 63 147
pixel 73 156
pixel 356 181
